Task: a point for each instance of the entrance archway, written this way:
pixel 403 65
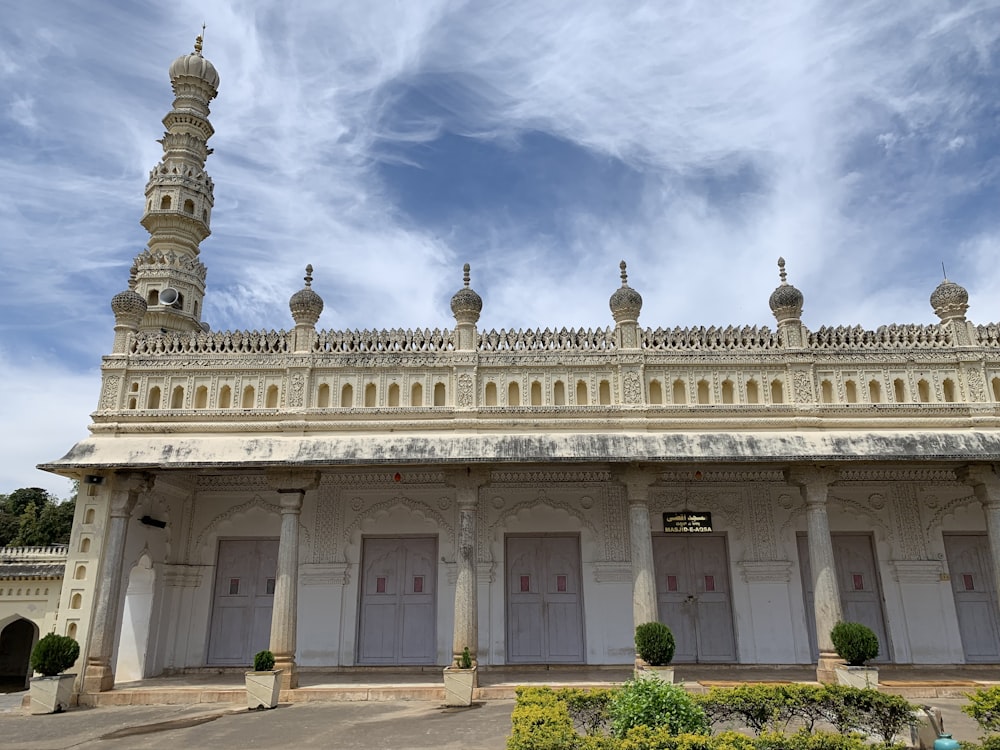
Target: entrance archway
pixel 134 639
pixel 16 642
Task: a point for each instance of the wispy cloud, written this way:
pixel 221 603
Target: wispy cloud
pixel 698 141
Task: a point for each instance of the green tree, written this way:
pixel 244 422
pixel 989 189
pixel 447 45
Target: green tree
pixel 32 516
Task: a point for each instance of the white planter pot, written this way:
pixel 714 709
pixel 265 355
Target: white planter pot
pixel 263 689
pixel 50 695
pixel 458 686
pixel 857 677
pixel 649 672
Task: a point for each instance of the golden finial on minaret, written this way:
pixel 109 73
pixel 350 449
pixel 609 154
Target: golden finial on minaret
pixel 198 40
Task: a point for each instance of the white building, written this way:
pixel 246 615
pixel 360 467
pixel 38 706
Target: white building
pixel 391 497
pixel 30 583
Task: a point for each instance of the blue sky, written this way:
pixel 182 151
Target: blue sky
pixel 387 143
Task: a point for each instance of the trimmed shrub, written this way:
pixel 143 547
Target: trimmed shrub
pixel 881 714
pixel 656 703
pixel 855 643
pixel 758 707
pixel 263 661
pixel 54 654
pixel 840 707
pixel 805 703
pixel 660 738
pixel 805 740
pixel 654 643
pixel 587 708
pixel 540 721
pixel 984 707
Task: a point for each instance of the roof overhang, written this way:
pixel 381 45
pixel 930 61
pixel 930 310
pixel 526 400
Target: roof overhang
pixel 228 451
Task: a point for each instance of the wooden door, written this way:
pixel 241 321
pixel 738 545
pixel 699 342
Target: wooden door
pixel 396 622
pixel 969 564
pixel 544 600
pixel 858 582
pixel 244 595
pixel 693 596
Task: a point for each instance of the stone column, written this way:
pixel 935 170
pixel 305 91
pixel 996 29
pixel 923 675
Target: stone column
pixel 466 632
pixel 637 482
pixel 99 673
pixel 291 487
pixel 986 485
pixel 814 484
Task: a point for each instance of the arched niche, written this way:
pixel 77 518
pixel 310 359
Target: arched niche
pixel 254 518
pixel 396 515
pixel 133 640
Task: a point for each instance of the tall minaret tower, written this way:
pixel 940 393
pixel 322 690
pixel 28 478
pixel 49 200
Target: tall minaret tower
pixel 168 274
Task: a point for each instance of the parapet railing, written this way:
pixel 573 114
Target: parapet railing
pixel 215 342
pixel 713 338
pixel 49 552
pixel 547 339
pixel 392 340
pixel 894 336
pixel 584 340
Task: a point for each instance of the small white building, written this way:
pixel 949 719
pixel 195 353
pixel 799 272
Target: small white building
pixel 30 583
pixel 353 498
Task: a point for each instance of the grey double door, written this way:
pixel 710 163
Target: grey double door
pixel 858 583
pixel 544 600
pixel 693 597
pixel 244 596
pixel 969 564
pixel 396 623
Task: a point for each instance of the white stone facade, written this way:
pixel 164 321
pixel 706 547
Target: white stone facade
pixel 879 445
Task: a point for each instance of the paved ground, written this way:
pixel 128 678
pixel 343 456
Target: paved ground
pixel 399 725
pixel 395 725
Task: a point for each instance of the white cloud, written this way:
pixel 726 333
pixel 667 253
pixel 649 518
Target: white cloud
pixel 839 117
pixel 44 410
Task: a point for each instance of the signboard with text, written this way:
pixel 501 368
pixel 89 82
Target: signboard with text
pixel 687 522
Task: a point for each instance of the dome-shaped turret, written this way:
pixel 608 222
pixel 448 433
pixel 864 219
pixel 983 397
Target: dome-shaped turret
pixel 196 66
pixel 626 302
pixel 950 301
pixel 129 306
pixel 466 304
pixel 786 301
pixel 305 304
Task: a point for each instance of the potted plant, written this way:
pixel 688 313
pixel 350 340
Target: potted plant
pixel 654 648
pixel 855 644
pixel 263 683
pixel 460 680
pixel 51 657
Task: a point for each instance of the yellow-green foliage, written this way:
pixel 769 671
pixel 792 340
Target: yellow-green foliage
pixel 540 721
pixel 804 740
pixel 645 738
pixel 546 719
pixel 984 707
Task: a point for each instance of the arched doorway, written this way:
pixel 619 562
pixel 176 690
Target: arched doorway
pixel 16 642
pixel 134 639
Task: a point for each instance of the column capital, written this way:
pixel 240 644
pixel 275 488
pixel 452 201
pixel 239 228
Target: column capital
pixel 126 489
pixel 290 501
pixel 292 480
pixel 467 480
pixel 637 480
pixel 807 476
pixel 984 481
